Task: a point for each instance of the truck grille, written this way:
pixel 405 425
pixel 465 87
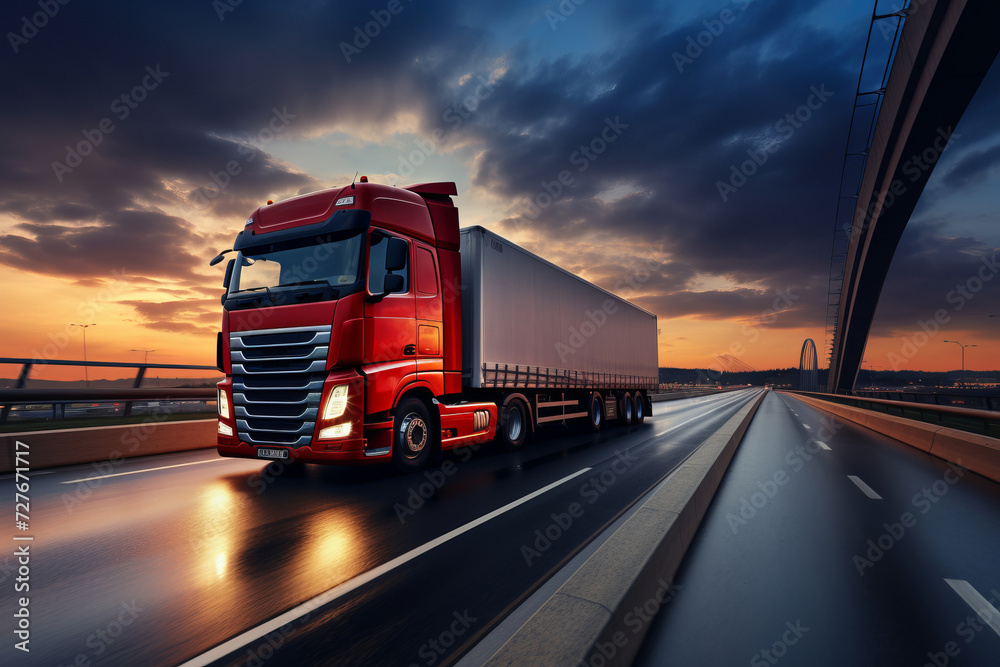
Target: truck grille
pixel 278 382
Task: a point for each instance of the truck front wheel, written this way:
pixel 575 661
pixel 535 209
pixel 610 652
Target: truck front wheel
pixel 412 435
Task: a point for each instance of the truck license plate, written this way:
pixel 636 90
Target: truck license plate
pixel 264 453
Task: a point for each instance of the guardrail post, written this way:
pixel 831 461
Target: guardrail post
pixel 22 378
pixel 135 385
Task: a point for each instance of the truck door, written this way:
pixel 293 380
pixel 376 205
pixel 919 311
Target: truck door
pixel 430 334
pixel 390 327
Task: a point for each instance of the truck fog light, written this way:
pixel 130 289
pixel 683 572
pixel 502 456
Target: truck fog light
pixel 225 429
pixel 338 431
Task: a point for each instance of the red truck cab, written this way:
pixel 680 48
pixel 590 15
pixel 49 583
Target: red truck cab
pixel 341 335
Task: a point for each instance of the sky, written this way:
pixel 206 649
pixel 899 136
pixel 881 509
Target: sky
pixel 600 135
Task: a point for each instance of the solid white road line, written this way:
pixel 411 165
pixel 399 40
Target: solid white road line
pixel 868 491
pixel 253 634
pixel 987 612
pixel 136 472
pixel 701 416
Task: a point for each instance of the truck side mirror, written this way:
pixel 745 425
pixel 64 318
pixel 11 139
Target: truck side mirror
pixel 395 255
pixel 229 273
pixel 218 258
pixel 393 283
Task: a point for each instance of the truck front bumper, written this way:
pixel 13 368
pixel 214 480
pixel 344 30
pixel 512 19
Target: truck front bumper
pixel 351 452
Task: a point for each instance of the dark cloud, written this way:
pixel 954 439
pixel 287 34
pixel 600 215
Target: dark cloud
pixel 973 168
pixel 933 273
pixel 188 316
pixel 121 242
pixel 664 131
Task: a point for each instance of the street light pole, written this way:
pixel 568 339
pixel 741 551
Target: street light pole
pixel 964 383
pixel 86 375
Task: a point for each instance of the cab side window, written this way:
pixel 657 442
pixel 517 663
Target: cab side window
pixel 376 265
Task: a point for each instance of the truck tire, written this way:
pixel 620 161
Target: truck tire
pixel 626 412
pixel 514 425
pixel 595 412
pixel 638 409
pixel 412 435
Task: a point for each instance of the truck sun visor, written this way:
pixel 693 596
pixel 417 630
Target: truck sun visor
pixel 345 221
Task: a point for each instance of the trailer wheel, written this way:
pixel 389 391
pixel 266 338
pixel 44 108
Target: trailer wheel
pixel 639 412
pixel 596 412
pixel 625 412
pixel 514 425
pixel 412 435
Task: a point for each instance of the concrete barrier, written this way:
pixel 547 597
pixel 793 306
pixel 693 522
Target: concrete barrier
pixel 978 453
pixel 47 449
pixel 588 615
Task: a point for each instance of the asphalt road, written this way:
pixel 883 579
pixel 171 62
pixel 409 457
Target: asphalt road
pixel 864 551
pixel 190 558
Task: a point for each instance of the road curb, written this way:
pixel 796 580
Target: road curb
pixel 592 614
pixel 978 453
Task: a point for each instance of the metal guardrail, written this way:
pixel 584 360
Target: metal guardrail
pixel 970 401
pixel 983 422
pixel 59 398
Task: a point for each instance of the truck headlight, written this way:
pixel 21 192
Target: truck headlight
pixel 336 403
pixel 223 404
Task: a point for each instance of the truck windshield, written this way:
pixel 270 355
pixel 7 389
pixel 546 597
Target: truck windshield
pixel 306 262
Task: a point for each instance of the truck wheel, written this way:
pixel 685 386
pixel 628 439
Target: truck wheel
pixel 625 411
pixel 514 425
pixel 639 411
pixel 412 435
pixel 596 412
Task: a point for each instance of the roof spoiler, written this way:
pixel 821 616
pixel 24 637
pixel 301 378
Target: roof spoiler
pixel 434 190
